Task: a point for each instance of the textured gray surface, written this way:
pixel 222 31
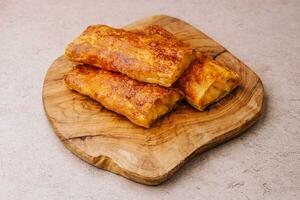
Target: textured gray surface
pixel 263 163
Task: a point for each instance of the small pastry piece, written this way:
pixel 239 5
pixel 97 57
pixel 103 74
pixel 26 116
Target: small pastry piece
pixel 148 57
pixel 141 103
pixel 206 81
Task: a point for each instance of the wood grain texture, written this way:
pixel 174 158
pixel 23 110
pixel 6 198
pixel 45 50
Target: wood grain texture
pixel 150 156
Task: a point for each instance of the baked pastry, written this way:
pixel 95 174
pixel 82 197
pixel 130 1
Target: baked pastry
pixel 152 56
pixel 206 81
pixel 142 103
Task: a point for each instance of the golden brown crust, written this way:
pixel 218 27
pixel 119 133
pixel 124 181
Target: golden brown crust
pixel 153 55
pixel 206 81
pixel 142 103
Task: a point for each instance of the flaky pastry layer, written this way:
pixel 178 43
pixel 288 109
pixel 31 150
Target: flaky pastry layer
pixel 142 103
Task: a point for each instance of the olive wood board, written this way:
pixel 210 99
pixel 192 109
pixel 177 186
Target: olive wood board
pixel 150 156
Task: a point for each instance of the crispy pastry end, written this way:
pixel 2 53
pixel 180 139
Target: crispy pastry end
pixel 207 81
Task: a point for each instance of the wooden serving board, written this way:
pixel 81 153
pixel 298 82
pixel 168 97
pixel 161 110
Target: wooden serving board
pixel 150 156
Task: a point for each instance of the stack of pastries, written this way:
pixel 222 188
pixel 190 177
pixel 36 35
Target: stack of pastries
pixel 144 74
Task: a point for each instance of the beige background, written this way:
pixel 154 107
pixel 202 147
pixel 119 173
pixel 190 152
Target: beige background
pixel 263 163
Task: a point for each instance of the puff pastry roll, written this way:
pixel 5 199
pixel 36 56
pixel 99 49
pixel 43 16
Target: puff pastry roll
pixel 142 103
pixel 206 81
pixel 142 55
